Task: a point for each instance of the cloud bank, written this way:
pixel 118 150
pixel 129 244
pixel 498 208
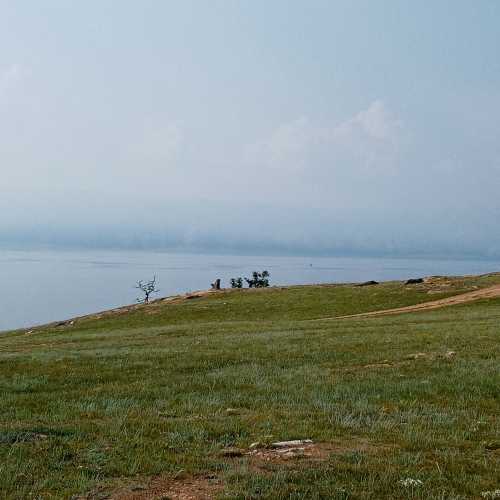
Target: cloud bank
pixel 205 127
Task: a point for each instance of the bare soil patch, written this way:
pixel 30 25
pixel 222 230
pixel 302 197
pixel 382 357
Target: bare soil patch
pixel 160 488
pixel 259 456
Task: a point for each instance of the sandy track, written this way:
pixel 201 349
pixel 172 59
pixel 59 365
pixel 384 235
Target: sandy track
pixel 484 293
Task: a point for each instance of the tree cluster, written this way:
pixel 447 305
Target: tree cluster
pixel 258 280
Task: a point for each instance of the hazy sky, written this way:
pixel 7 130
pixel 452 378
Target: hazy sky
pixel 308 126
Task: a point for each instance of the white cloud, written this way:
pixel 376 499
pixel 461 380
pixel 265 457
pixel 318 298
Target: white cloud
pixel 376 122
pixel 370 140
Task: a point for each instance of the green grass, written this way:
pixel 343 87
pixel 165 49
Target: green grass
pixel 127 397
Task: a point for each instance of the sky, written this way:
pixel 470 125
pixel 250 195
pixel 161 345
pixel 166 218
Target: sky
pixel 311 127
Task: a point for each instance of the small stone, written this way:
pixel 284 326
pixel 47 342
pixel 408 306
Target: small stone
pixel 368 283
pixel 180 474
pixel 418 355
pixel 414 281
pixel 492 446
pixel 232 452
pixel 255 445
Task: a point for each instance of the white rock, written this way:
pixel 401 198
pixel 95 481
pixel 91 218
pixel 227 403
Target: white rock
pixel 288 444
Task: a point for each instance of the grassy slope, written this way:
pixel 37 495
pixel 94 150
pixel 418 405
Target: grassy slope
pixel 146 393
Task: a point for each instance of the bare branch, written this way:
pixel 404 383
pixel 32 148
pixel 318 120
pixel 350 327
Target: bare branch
pixel 147 289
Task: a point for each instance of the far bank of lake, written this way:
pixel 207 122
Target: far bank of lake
pixel 44 286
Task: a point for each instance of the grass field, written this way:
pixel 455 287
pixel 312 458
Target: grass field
pixel 146 403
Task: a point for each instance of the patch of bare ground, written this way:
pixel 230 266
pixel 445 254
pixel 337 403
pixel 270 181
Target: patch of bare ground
pixel 162 488
pixel 259 456
pixel 312 452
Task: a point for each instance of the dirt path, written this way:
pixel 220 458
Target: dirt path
pixel 463 298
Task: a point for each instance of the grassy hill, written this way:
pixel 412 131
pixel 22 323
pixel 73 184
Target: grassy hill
pixel 164 400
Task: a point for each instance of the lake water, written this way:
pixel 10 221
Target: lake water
pixel 43 286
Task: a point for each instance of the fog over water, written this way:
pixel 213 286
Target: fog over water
pixel 309 127
pixel 43 286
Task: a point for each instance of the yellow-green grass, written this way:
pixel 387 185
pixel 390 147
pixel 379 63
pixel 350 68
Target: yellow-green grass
pixel 127 397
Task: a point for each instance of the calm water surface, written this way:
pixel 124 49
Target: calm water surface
pixel 43 286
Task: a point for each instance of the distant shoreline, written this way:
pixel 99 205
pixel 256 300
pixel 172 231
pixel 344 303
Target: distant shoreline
pixel 487 292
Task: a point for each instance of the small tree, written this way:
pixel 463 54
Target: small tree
pixel 258 280
pixel 236 282
pixel 147 288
